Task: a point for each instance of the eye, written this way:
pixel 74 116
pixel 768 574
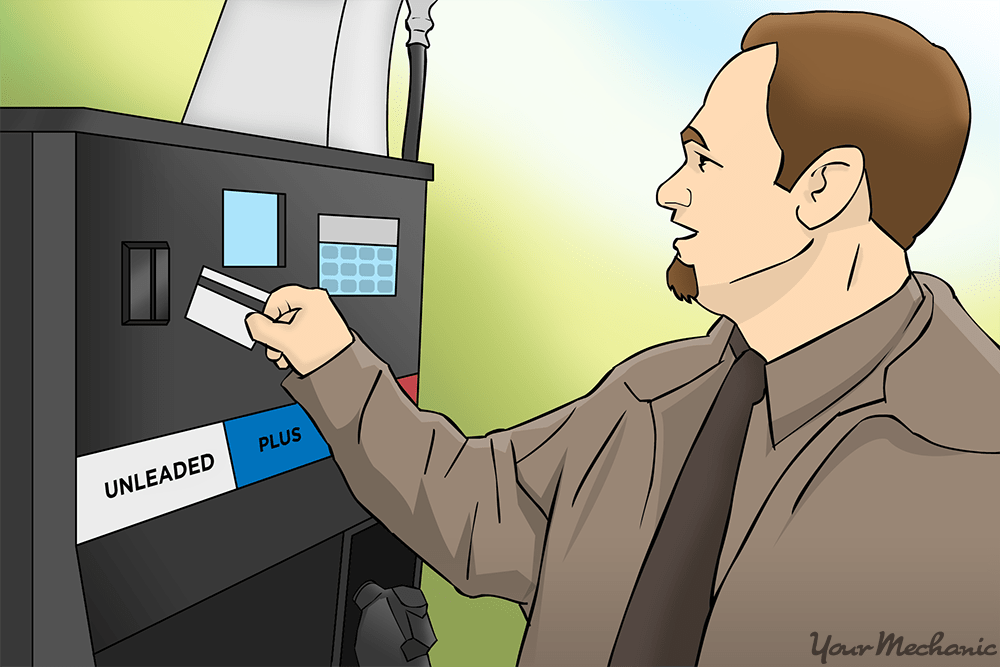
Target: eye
pixel 703 160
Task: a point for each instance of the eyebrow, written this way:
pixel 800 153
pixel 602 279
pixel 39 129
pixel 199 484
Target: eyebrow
pixel 691 134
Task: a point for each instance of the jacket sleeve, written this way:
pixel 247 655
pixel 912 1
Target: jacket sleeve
pixel 475 509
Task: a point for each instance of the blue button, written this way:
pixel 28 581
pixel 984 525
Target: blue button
pixel 269 443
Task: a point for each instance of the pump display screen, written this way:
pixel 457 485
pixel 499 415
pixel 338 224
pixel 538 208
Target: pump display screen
pixel 253 228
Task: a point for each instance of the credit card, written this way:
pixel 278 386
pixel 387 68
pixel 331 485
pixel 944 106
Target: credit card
pixel 220 303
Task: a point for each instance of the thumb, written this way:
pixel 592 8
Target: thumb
pixel 265 330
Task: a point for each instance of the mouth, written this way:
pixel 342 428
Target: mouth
pixel 683 238
pixel 673 219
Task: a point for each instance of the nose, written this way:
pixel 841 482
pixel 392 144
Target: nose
pixel 671 194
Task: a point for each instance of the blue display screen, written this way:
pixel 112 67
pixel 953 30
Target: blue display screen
pixel 250 228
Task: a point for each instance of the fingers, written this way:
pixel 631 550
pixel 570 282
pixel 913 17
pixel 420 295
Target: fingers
pixel 274 327
pixel 272 308
pixel 264 330
pixel 285 315
pixel 277 357
pixel 284 299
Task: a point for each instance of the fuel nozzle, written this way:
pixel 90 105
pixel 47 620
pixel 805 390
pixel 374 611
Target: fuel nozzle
pixel 395 628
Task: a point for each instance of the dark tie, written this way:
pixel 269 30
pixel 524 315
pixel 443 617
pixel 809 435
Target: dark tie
pixel 667 615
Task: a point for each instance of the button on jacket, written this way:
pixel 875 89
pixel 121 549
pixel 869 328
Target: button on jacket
pixel 865 503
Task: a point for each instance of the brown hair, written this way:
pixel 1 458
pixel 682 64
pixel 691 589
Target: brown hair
pixel 864 80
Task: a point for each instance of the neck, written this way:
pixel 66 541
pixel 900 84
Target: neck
pixel 850 271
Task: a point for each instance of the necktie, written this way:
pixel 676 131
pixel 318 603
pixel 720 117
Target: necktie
pixel 667 615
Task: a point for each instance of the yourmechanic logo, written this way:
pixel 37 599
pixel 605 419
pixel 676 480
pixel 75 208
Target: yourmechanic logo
pixel 889 644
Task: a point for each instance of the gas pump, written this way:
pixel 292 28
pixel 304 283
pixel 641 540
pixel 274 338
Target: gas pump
pixel 176 507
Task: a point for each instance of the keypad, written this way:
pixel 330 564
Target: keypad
pixel 357 269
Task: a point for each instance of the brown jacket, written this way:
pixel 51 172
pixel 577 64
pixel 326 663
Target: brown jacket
pixel 866 502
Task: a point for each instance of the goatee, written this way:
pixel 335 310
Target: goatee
pixel 682 281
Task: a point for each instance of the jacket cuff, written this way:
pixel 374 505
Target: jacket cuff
pixel 336 392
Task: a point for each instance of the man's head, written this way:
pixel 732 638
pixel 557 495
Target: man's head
pixel 820 113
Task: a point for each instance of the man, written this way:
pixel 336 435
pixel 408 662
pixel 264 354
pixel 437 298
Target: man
pixel 816 477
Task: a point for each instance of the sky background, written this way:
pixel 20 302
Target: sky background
pixel 550 125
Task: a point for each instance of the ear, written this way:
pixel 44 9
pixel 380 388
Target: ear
pixel 829 184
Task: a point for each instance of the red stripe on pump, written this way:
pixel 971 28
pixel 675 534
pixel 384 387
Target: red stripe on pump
pixel 409 385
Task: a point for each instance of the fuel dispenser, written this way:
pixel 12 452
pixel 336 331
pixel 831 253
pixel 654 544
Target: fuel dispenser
pixel 211 525
pixel 168 503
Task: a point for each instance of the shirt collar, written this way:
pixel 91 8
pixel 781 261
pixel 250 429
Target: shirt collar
pixel 804 382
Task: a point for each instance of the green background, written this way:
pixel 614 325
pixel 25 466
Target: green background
pixel 534 284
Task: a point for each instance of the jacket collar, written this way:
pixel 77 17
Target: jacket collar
pixel 809 379
pixel 668 367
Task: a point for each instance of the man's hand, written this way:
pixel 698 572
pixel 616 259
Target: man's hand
pixel 300 327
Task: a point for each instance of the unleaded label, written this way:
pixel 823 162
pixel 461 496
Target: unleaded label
pixel 120 487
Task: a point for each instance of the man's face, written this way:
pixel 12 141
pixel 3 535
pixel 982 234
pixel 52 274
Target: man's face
pixel 725 190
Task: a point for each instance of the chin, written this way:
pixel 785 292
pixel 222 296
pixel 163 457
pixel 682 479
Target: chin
pixel 685 253
pixel 716 291
pixel 713 298
pixel 738 302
